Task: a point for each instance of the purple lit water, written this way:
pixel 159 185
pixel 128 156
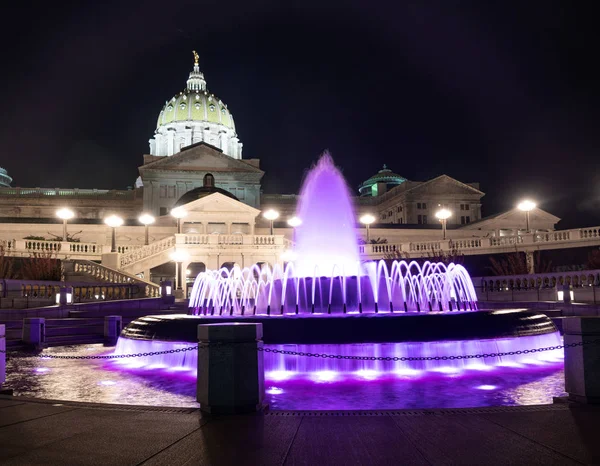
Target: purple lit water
pixel 106 382
pixel 326 239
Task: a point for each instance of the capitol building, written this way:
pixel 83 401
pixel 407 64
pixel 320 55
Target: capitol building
pixel 195 162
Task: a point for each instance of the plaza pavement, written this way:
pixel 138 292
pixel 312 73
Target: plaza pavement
pixel 35 432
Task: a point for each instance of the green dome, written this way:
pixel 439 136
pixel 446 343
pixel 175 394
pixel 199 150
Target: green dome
pixel 195 105
pixel 385 175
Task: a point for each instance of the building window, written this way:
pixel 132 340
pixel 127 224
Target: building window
pixel 419 219
pixel 171 191
pixel 401 220
pixel 163 191
pixel 424 207
pixel 467 219
pixel 241 193
pixel 162 211
pixel 209 180
pixel 424 219
pixel 418 205
pixel 464 219
pixel 464 207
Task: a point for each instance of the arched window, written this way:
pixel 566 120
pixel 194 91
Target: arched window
pixel 209 181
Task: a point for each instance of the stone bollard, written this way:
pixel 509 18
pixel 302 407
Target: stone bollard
pixel 582 363
pixel 2 355
pixel 34 332
pixel 112 329
pixel 230 377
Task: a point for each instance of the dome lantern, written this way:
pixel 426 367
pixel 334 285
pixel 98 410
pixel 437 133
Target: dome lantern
pixel 196 80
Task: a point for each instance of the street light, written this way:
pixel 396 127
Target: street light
pixel 179 257
pixel 526 206
pixel 294 222
pixel 178 213
pixel 366 220
pixel 271 215
pixel 443 215
pixel 146 220
pixel 65 214
pixel 114 221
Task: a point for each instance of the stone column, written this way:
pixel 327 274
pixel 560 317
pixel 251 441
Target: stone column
pixel 2 354
pixel 230 371
pixel 582 363
pixel 34 332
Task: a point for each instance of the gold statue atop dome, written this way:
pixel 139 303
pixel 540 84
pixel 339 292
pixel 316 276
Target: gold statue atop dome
pixel 196 57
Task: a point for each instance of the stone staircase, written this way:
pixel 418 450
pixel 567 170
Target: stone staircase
pixel 88 271
pixel 147 257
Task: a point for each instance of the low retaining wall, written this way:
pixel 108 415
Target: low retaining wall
pixel 121 307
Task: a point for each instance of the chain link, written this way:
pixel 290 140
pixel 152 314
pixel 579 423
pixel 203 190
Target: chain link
pixel 301 353
pixel 424 358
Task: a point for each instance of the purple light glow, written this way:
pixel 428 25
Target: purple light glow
pixel 41 370
pixel 328 218
pixel 327 276
pixel 281 367
pixel 486 387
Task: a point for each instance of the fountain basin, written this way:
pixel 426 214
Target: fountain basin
pixel 355 328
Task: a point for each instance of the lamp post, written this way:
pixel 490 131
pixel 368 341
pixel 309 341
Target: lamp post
pixel 178 213
pixel 65 214
pixel 443 215
pixel 366 220
pixel 146 220
pixel 271 215
pixel 294 222
pixel 526 206
pixel 179 257
pixel 114 221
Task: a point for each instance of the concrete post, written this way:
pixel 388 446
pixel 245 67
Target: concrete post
pixel 34 332
pixel 2 354
pixel 112 329
pixel 582 363
pixel 111 260
pixel 230 377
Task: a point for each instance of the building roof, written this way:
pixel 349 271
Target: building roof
pixel 385 175
pixel 195 103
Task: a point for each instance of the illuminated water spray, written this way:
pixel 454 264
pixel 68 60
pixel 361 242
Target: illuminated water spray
pixel 327 276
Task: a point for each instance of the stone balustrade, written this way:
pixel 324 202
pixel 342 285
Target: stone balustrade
pixel 143 252
pixel 106 274
pixel 36 291
pixel 62 248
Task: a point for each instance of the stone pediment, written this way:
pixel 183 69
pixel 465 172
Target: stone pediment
pixel 515 218
pixel 445 185
pixel 219 204
pixel 200 158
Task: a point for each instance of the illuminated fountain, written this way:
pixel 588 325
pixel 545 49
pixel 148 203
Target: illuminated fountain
pixel 327 275
pixel 389 317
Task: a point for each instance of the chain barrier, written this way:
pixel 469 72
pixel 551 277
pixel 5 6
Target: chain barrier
pixel 301 353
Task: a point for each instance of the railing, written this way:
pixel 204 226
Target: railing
pixel 593 232
pixel 33 290
pixel 61 192
pixel 196 239
pixel 552 236
pixel 103 273
pixel 424 246
pixel 505 240
pixel 504 283
pixel 128 248
pixel 146 251
pixel 264 240
pixel 63 247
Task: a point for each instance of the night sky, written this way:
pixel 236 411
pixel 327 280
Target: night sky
pixel 504 93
